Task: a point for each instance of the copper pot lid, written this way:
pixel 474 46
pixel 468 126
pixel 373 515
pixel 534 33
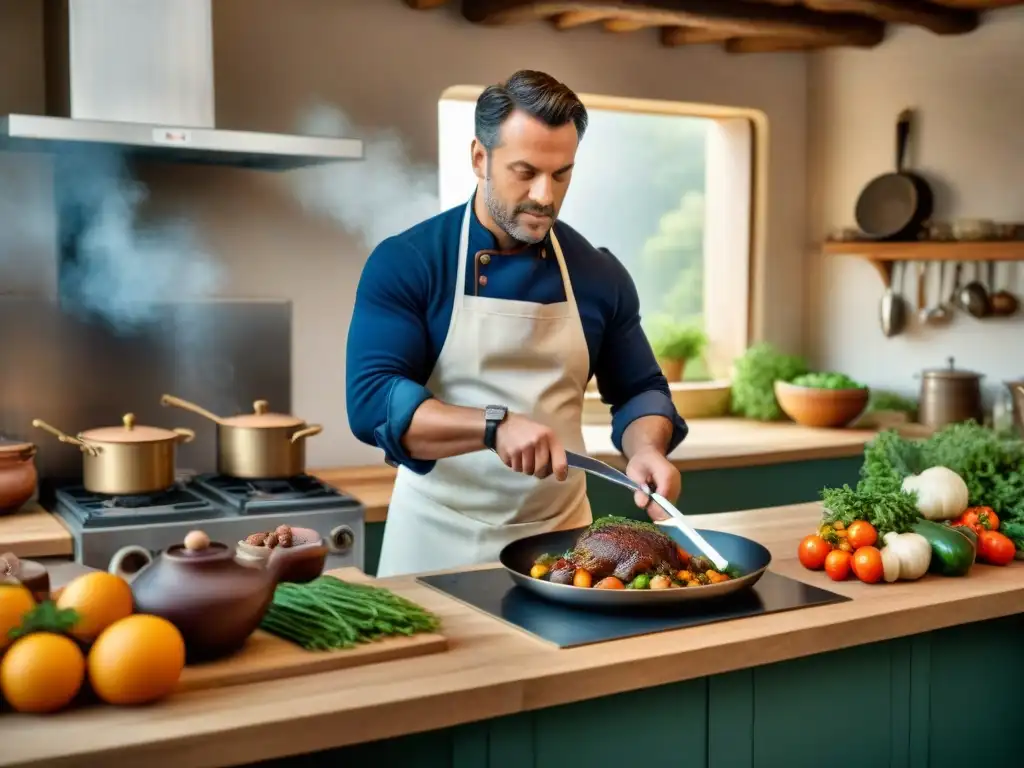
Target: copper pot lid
pixel 950 372
pixel 8 447
pixel 128 432
pixel 262 417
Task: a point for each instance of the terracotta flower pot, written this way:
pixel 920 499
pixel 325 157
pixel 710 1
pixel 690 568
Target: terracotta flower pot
pixel 673 369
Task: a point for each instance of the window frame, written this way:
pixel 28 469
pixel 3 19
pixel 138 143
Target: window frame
pixel 742 142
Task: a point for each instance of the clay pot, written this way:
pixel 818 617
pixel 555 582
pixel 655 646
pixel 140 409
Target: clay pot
pixel 816 407
pixel 673 369
pixel 214 599
pixel 18 476
pixel 30 574
pixel 256 446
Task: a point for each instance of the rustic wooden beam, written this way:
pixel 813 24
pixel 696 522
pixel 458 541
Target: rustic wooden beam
pixel 573 19
pixel 769 45
pixel 735 16
pixel 922 13
pixel 979 5
pixel 425 5
pixel 626 25
pixel 672 36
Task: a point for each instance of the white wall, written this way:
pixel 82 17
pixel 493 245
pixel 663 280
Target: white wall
pixel 969 95
pixel 386 66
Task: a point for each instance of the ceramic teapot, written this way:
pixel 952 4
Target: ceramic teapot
pixel 215 600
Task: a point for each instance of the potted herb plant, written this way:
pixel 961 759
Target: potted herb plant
pixel 674 345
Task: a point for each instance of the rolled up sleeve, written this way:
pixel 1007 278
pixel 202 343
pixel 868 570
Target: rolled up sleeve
pixel 628 375
pixel 387 358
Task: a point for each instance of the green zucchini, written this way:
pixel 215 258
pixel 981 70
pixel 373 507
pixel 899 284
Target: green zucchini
pixel 953 549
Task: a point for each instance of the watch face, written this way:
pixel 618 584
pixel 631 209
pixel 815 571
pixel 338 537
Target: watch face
pixel 494 413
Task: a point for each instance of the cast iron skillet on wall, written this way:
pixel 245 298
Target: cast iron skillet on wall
pixel 895 205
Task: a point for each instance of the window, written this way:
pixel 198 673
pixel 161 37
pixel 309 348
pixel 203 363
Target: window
pixel 668 189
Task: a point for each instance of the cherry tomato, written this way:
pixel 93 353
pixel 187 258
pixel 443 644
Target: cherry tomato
pixel 995 548
pixel 812 552
pixel 867 565
pixel 837 564
pixel 980 519
pixel 861 533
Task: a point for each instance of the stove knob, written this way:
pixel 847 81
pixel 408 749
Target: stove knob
pixel 341 539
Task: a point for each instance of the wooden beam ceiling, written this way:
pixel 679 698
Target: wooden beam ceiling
pixel 741 26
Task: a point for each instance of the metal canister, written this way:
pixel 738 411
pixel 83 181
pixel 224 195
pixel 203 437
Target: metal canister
pixel 1017 391
pixel 949 395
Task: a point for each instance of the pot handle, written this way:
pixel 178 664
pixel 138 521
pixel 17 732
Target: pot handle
pixel 185 405
pixel 85 447
pixel 117 562
pixel 310 431
pixel 184 434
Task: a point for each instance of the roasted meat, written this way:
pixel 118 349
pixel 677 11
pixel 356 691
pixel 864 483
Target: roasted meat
pixel 620 547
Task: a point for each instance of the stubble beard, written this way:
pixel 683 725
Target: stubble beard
pixel 507 219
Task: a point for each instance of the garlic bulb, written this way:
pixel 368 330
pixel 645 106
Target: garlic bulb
pixel 941 493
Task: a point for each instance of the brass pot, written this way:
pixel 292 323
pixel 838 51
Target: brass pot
pixel 258 445
pixel 18 476
pixel 127 460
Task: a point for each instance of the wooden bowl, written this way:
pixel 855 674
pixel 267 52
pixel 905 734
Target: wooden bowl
pixel 816 407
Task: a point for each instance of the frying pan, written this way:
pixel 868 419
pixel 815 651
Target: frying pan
pixel 749 557
pixel 893 206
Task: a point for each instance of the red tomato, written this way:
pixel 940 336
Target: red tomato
pixel 813 551
pixel 861 533
pixel 867 565
pixel 837 564
pixel 980 519
pixel 995 548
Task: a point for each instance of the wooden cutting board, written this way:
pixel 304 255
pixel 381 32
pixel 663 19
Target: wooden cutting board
pixel 34 532
pixel 268 657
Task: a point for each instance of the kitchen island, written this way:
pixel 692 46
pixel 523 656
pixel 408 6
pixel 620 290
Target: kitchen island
pixel 897 676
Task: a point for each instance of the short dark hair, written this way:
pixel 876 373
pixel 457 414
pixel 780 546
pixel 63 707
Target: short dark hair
pixel 537 94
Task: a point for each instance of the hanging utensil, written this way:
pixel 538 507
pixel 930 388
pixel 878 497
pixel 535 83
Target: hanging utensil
pixel 1003 302
pixel 895 205
pixel 676 519
pixel 259 445
pixel 974 296
pixel 893 307
pixel 940 313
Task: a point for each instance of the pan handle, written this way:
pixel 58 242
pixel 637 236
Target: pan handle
pixel 85 447
pixel 902 134
pixel 310 431
pixel 177 402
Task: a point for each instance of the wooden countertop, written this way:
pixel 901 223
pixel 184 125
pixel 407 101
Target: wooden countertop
pixel 711 444
pixel 494 670
pixel 34 532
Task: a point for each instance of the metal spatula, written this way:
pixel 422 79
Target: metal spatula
pixel 676 518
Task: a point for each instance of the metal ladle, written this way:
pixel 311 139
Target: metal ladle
pixel 940 313
pixel 973 296
pixel 893 308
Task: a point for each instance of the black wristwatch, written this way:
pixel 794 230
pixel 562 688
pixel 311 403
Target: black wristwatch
pixel 494 415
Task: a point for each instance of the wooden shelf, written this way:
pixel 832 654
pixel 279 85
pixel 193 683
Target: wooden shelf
pixel 883 255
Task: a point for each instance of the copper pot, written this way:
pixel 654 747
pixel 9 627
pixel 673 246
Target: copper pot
pixel 258 445
pixel 18 476
pixel 127 460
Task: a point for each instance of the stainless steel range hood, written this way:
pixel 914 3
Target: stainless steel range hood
pixel 137 75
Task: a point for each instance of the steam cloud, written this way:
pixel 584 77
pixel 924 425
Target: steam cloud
pixel 125 270
pixel 375 198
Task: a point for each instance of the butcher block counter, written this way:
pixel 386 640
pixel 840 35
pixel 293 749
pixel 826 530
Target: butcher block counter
pixel 34 532
pixel 881 679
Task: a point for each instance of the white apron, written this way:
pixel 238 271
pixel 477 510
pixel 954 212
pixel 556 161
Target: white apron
pixel 532 358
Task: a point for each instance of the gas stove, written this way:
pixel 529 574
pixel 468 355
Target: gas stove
pixel 228 509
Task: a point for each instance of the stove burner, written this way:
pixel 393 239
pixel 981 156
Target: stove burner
pixel 301 493
pixel 94 510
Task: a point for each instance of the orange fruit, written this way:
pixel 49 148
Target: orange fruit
pixel 99 599
pixel 136 660
pixel 41 672
pixel 15 602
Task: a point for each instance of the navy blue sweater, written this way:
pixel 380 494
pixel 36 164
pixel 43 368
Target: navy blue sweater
pixel 404 305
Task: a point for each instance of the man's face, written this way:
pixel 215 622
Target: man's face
pixel 527 175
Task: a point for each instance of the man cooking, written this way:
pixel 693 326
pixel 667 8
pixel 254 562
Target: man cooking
pixel 474 335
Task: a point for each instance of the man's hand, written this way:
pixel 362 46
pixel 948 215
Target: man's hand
pixel 651 469
pixel 530 448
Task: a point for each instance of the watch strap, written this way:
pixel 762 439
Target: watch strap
pixel 494 415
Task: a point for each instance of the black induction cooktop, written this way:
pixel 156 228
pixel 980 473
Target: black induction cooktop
pixel 493 591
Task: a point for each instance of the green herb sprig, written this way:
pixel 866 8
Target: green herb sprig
pixel 887 511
